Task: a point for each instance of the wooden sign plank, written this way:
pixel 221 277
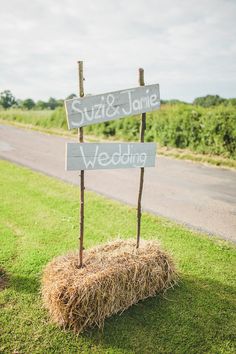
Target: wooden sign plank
pixel 108 106
pixel 94 156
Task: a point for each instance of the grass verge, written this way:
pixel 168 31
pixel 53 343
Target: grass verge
pixel 182 154
pixel 39 220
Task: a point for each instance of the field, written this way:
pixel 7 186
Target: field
pixel 39 220
pixel 181 130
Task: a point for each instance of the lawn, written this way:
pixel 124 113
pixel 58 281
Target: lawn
pixel 39 220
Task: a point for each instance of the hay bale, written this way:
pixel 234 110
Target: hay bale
pixel 115 276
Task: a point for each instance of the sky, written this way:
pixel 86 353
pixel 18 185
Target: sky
pixel 187 46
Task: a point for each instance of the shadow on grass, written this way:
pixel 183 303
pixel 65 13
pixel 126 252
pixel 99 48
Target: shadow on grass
pixel 3 279
pixel 24 284
pixel 197 316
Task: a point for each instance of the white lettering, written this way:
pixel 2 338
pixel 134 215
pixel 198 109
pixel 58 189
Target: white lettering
pixel 129 102
pixel 111 110
pixel 88 117
pixel 145 102
pixel 109 106
pixel 74 108
pixel 103 159
pixel 89 162
pixel 124 159
pixel 118 157
pixel 137 105
pixel 100 110
pixel 153 100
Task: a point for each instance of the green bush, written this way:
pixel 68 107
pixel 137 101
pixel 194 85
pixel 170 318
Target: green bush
pixel 204 130
pixel 58 118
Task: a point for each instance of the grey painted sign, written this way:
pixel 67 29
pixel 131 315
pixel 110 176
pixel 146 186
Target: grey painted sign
pixel 93 156
pixel 108 106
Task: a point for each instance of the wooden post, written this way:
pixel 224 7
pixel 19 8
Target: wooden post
pixel 81 140
pixel 142 129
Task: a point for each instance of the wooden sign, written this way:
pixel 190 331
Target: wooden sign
pixel 94 156
pixel 108 106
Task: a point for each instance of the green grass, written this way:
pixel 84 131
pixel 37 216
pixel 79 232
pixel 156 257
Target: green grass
pixel 39 220
pixel 186 154
pixel 35 118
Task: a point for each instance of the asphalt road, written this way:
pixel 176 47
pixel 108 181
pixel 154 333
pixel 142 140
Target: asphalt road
pixel 199 196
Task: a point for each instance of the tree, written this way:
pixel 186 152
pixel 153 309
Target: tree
pixel 209 101
pixel 72 95
pixel 41 105
pixel 28 103
pixel 60 103
pixel 7 100
pixel 52 103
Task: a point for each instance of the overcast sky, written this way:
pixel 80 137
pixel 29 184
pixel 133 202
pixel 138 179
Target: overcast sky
pixel 188 46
